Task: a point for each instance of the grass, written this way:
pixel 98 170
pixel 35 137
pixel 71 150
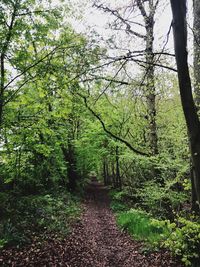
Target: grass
pixel 141 226
pixel 138 223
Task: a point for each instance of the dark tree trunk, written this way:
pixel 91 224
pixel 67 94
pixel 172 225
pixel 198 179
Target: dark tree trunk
pixel 190 112
pixel 105 172
pixel 2 88
pixel 197 51
pixel 71 171
pixel 118 177
pixel 114 182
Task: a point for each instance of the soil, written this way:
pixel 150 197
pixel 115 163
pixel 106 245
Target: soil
pixel 95 241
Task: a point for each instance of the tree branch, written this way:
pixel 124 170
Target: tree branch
pixel 109 132
pixel 126 22
pixel 30 67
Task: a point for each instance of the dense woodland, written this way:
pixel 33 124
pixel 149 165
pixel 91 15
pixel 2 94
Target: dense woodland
pixel 122 110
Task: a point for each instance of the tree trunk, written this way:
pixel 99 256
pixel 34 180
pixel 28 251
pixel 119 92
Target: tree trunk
pixel 2 88
pixel 148 17
pixel 118 177
pixel 196 8
pixel 105 172
pixel 151 94
pixel 114 182
pixel 71 171
pixel 189 109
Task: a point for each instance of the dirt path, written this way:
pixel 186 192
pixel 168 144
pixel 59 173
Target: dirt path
pixel 94 242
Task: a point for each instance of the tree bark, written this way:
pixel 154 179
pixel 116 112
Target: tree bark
pixel 150 72
pixel 196 26
pixel 105 172
pixel 118 177
pixel 189 109
pixel 151 94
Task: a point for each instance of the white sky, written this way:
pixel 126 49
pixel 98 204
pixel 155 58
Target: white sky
pixel 95 20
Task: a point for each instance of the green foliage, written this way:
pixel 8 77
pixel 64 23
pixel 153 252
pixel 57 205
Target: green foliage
pixel 181 237
pixel 184 240
pixel 11 235
pixel 2 243
pixel 117 195
pixel 38 215
pixel 117 201
pixel 140 225
pixel 45 122
pixel 117 206
pixel 161 200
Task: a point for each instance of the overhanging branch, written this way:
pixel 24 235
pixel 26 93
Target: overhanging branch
pixel 109 132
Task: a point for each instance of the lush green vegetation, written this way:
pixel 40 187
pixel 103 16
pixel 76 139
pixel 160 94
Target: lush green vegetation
pixel 72 105
pixel 180 235
pixel 140 226
pixel 26 218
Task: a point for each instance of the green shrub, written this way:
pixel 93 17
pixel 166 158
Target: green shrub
pixel 119 195
pixel 184 240
pixel 11 235
pixel 117 203
pixel 117 206
pixel 40 214
pixel 160 200
pixel 3 242
pixel 182 237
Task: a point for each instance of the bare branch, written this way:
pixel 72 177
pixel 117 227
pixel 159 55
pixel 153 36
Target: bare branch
pixel 142 9
pixel 126 22
pixel 105 89
pixel 95 77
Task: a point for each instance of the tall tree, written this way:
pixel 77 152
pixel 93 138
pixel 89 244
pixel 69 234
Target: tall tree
pixel 148 17
pixel 189 109
pixel 196 8
pixel 25 28
pixel 147 11
pixel 7 25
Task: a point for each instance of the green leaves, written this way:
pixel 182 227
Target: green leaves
pixel 184 240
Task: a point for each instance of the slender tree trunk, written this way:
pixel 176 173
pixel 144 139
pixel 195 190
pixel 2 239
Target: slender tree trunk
pixel 2 88
pixel 105 174
pixel 71 171
pixel 118 177
pixel 151 91
pixel 196 27
pixel 113 175
pixel 69 153
pixel 72 175
pixel 108 173
pixel 189 109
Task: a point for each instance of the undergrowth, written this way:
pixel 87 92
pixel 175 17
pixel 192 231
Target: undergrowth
pixel 37 215
pixel 141 226
pixel 181 236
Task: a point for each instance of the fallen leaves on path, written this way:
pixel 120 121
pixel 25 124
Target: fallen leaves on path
pixel 95 241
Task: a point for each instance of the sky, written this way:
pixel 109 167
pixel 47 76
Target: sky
pixel 91 19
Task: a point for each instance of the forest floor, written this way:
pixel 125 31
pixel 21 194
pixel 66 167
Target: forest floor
pixel 95 241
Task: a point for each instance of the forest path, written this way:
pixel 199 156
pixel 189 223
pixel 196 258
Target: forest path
pixel 95 241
